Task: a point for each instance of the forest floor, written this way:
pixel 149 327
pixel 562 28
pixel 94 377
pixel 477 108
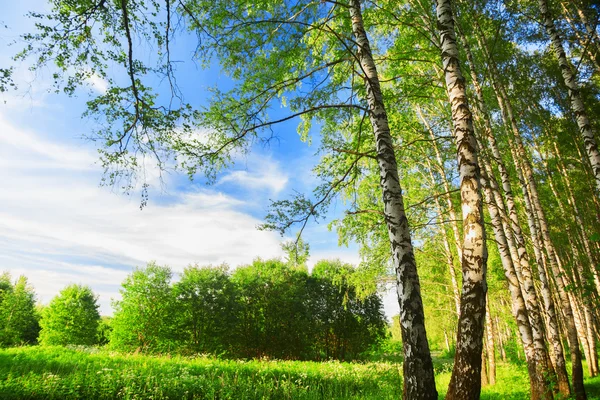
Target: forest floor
pixel 89 373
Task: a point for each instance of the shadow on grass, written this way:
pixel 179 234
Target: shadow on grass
pixel 592 387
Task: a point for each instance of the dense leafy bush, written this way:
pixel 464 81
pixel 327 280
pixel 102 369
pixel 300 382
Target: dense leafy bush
pixel 266 309
pixel 71 318
pixel 18 316
pixel 145 317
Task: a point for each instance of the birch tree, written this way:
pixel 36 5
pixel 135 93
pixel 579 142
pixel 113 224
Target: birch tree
pixel 465 382
pixel 570 79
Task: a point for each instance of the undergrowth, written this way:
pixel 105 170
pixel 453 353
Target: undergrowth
pixel 90 373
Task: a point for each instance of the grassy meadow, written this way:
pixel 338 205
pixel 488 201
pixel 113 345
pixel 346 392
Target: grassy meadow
pixel 90 373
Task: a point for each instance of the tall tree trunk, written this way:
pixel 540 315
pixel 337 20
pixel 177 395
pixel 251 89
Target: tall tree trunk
pixel 540 236
pixel 491 345
pixel 522 160
pixel 446 183
pixel 581 328
pixel 450 209
pixel 570 79
pixel 519 309
pixel 591 334
pixel 577 368
pixel 582 306
pixel 419 381
pixel 585 294
pixel 447 250
pixel 501 341
pixel 578 220
pixel 584 297
pixel 514 233
pixel 465 382
pixel 484 368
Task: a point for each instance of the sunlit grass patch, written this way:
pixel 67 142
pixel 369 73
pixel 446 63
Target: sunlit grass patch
pixel 58 373
pixel 89 373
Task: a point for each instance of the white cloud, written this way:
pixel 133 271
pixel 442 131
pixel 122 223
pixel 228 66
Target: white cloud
pixel 262 174
pixel 57 226
pixel 98 83
pixel 24 149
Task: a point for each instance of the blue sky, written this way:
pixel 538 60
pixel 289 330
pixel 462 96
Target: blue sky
pixel 58 226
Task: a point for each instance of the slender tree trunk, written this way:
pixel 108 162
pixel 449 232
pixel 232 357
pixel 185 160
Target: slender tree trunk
pixel 583 316
pixel 484 368
pixel 581 328
pixel 491 345
pixel 582 306
pixel 501 341
pixel 447 251
pixel 522 160
pixel 540 237
pixel 449 257
pixel 419 381
pixel 446 183
pixel 465 382
pixel 583 122
pixel 577 368
pixel 593 361
pixel 514 234
pixel 578 220
pixel 519 308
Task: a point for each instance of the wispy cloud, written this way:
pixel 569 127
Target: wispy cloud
pixel 98 83
pixel 58 227
pixel 260 174
pixel 26 150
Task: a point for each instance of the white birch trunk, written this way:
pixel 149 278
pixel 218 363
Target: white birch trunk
pixel 419 382
pixel 528 185
pixel 465 382
pixel 583 122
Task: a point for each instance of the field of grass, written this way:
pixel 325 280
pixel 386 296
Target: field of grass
pixel 59 373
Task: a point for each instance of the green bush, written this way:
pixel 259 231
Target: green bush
pixel 71 318
pixel 19 320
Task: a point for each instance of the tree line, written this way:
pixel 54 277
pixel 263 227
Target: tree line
pixel 266 309
pixel 454 128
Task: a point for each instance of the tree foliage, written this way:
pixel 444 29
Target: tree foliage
pixel 144 318
pixel 265 309
pixel 19 320
pixel 299 61
pixel 206 309
pixel 71 318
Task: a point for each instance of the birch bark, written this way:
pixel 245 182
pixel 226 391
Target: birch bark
pixel 583 122
pixel 491 344
pixel 514 235
pixel 450 210
pixel 538 385
pixel 419 382
pixel 465 382
pixel 538 239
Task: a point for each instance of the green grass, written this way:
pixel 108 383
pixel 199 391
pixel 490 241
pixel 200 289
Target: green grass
pixel 592 386
pixel 512 382
pixel 59 373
